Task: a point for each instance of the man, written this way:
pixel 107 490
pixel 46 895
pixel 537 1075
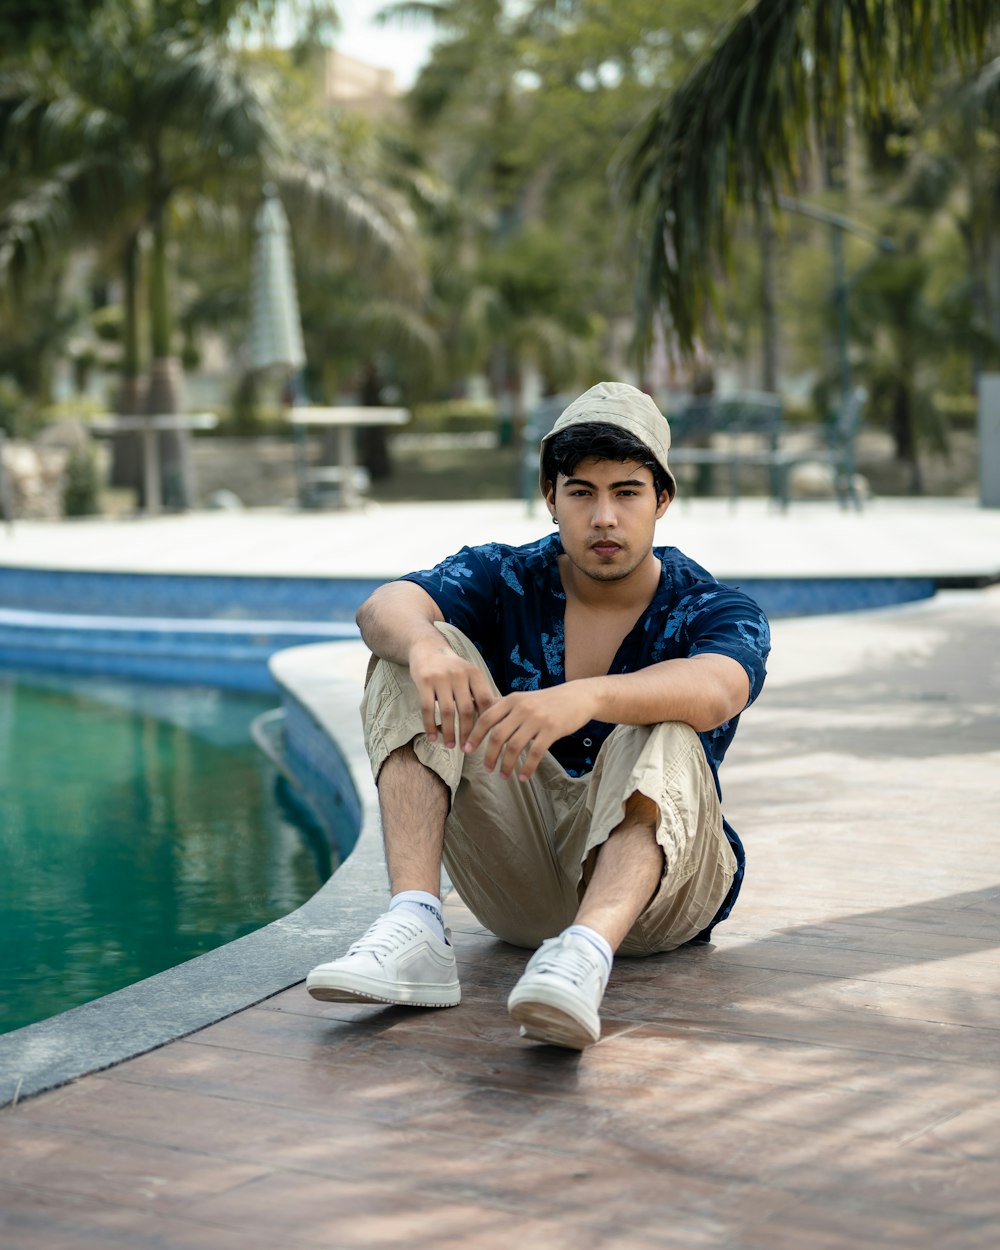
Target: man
pixel 548 722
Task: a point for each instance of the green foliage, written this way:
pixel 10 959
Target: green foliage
pixel 11 402
pixel 734 130
pixel 482 231
pixel 82 487
pixel 247 415
pixel 520 110
pixel 103 141
pixel 903 330
pixel 107 323
pixel 453 416
pixel 54 23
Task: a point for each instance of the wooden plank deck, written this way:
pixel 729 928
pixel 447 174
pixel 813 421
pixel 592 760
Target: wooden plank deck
pixel 824 1076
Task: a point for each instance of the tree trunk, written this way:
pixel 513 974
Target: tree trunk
pixel 160 329
pixel 769 305
pixel 993 285
pixel 164 397
pixel 126 449
pixel 373 441
pixel 902 424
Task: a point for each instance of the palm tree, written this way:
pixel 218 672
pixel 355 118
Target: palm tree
pixel 956 167
pixel 164 110
pixel 900 330
pixel 504 297
pixel 733 132
pixel 142 119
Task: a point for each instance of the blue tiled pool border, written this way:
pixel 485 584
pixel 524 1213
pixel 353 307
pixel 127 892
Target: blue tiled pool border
pixel 222 630
pixel 820 596
pixel 187 596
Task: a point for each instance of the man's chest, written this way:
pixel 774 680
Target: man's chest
pixel 593 639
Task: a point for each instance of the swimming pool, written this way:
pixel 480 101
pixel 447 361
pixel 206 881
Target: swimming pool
pixel 140 825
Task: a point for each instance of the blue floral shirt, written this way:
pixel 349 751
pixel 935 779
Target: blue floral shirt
pixel 510 602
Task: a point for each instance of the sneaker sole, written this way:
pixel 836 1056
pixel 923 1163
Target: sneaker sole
pixel 360 990
pixel 543 1022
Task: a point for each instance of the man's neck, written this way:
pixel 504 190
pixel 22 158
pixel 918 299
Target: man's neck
pixel 632 593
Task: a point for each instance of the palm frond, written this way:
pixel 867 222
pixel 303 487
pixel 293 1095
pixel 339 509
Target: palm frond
pixel 31 229
pixel 407 337
pixel 560 355
pixel 730 134
pixel 39 130
pixel 200 90
pixel 987 86
pixel 415 11
pixel 69 206
pixel 337 208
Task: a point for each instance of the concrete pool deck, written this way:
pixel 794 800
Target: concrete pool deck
pixel 823 1075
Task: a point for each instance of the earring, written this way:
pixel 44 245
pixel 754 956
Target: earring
pixel 555 520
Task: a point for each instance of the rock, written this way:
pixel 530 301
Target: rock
pixel 68 434
pixel 36 478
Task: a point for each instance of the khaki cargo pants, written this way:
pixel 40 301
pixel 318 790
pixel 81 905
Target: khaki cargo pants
pixel 520 853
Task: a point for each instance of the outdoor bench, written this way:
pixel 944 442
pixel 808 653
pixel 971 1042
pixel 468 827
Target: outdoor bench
pixel 346 482
pixel 749 430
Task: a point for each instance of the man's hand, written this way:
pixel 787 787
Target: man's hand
pixel 444 678
pixel 530 721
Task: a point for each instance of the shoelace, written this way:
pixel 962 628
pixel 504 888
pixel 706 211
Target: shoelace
pixel 385 936
pixel 570 962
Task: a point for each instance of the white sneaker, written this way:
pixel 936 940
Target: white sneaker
pixel 557 998
pixel 399 960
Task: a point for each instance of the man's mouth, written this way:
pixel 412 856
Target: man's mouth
pixel 605 548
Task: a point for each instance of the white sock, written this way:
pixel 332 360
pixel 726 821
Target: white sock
pixel 426 906
pixel 598 942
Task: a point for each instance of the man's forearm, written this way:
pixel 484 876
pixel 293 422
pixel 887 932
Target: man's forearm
pixel 398 624
pixel 703 692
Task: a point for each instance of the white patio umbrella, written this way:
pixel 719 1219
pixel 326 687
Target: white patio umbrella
pixel 275 327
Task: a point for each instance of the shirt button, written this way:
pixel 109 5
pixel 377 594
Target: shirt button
pixel 587 742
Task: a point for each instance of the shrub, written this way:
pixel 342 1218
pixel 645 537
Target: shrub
pixel 453 416
pixel 82 489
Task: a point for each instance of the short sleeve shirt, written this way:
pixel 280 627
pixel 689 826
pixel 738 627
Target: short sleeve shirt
pixel 509 601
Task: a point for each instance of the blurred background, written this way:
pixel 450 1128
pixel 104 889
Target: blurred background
pixel 490 206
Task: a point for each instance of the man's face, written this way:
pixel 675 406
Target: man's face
pixel 606 511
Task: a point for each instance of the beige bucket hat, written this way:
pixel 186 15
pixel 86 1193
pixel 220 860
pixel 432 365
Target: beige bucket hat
pixel 618 403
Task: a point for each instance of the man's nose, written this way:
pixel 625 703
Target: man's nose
pixel 604 512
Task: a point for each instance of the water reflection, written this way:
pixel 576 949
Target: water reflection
pixel 139 826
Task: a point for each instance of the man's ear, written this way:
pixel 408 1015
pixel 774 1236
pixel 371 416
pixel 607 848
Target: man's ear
pixel 663 503
pixel 550 497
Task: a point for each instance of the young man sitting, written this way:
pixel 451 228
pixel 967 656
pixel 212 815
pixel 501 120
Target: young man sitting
pixel 548 722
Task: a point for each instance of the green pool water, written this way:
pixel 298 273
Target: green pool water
pixel 139 826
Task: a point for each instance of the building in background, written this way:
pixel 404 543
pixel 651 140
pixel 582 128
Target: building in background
pixel 356 85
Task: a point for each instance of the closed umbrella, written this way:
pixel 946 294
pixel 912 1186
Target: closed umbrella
pixel 275 328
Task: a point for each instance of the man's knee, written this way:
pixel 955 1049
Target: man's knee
pixel 640 811
pixel 379 670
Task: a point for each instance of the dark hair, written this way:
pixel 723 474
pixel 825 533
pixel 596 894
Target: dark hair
pixel 564 451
